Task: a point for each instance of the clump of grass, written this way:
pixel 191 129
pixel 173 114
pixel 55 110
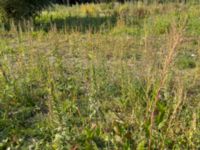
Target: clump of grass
pixel 186 60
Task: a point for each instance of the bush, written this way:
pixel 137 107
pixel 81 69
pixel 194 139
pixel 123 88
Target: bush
pixel 22 9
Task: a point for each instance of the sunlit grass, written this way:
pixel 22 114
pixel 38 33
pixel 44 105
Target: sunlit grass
pixel 102 77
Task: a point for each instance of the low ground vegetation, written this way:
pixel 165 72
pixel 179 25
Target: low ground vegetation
pixel 102 76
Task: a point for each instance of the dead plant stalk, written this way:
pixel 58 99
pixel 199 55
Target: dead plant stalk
pixel 176 40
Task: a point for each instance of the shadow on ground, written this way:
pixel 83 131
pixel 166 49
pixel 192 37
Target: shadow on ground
pixel 76 23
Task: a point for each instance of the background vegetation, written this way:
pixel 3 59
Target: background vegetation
pixel 24 9
pixel 102 76
pixel 21 9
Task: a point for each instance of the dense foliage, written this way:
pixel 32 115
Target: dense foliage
pixel 21 9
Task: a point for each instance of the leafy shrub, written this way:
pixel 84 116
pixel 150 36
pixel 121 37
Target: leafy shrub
pixel 21 9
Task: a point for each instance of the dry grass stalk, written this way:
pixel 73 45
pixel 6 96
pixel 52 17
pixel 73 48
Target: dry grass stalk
pixel 176 40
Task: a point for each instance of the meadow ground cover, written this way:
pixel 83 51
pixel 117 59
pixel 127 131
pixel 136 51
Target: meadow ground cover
pixel 102 76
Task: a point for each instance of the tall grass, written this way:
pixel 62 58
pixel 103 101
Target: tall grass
pixel 126 81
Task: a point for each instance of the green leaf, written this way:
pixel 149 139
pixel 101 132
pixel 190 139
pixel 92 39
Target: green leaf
pixel 141 145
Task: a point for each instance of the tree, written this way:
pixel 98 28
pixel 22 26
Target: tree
pixel 22 9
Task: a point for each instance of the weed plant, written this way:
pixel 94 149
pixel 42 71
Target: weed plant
pixel 101 76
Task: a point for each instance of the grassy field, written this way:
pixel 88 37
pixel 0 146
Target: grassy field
pixel 102 76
